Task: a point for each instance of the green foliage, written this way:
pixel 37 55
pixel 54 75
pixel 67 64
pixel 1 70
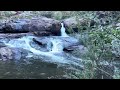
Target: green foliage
pixel 100 45
pixel 102 41
pixel 87 73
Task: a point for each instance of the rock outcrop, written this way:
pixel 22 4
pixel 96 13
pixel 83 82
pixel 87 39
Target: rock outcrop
pixel 13 35
pixel 38 26
pixel 71 24
pixel 7 53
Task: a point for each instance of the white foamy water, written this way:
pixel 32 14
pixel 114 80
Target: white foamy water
pixel 63 33
pixel 24 43
pixel 55 46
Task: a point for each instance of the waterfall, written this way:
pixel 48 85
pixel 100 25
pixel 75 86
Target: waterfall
pixel 49 46
pixel 57 46
pixel 63 33
pixel 24 43
pixel 54 46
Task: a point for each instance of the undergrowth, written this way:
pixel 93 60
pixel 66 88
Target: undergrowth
pixel 101 39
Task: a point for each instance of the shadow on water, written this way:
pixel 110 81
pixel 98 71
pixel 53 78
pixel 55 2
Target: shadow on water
pixel 35 69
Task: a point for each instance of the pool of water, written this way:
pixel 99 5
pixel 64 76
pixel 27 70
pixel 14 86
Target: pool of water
pixel 34 69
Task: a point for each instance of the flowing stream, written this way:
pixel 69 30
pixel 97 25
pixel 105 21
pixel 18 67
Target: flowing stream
pixel 55 53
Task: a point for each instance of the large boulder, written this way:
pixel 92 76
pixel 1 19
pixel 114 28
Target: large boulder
pixel 37 25
pixel 79 49
pixel 72 24
pixel 13 35
pixel 7 53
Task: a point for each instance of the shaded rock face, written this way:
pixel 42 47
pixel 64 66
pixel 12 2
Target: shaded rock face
pixel 37 25
pixel 76 50
pixel 7 53
pixel 19 53
pixel 73 22
pixel 79 48
pixel 70 22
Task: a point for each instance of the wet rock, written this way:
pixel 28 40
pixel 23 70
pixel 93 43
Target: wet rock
pixel 41 24
pixel 68 49
pixel 36 41
pixel 19 53
pixel 6 53
pixel 78 48
pixel 67 41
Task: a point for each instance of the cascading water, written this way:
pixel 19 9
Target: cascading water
pixel 57 46
pixel 24 43
pixel 63 33
pixel 54 46
pixel 49 46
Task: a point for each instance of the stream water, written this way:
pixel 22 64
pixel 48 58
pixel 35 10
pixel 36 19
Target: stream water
pixel 54 63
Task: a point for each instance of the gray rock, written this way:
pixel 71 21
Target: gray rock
pixel 67 41
pixel 19 53
pixel 41 24
pixel 13 35
pixel 78 48
pixel 73 23
pixel 6 53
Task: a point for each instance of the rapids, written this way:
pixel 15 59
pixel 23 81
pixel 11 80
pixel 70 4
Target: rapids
pixel 55 51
